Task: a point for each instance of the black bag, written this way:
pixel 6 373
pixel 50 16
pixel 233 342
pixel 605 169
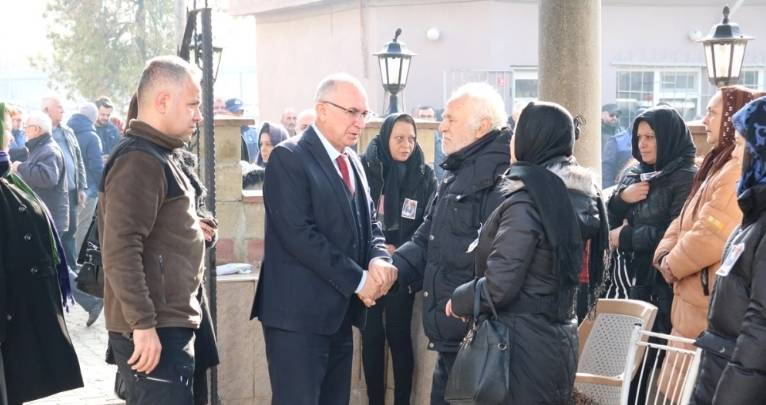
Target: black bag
pixel 90 279
pixel 481 372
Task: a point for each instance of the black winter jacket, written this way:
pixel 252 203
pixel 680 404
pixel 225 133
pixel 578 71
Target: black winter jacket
pixel 514 259
pixel 422 192
pixel 733 365
pixel 436 255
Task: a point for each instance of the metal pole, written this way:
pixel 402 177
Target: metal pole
pixel 393 104
pixel 207 112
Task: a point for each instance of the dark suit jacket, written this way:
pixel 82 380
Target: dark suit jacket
pixel 308 276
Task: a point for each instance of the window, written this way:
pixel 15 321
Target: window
pixel 644 87
pixel 753 79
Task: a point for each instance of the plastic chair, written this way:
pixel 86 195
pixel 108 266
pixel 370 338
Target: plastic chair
pixel 603 373
pixel 677 381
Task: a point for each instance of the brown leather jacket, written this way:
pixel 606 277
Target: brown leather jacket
pixel 152 243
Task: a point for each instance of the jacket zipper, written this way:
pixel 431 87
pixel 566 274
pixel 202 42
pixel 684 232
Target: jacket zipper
pixel 162 277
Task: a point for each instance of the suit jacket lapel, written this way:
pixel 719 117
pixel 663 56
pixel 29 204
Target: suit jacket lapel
pixel 328 167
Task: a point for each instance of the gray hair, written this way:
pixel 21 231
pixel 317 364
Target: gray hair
pixel 40 119
pixel 166 69
pixel 328 84
pixel 48 99
pixel 486 103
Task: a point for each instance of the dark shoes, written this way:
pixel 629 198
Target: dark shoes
pixel 94 313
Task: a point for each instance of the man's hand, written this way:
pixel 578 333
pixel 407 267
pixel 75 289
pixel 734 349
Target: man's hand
pixel 15 167
pixel 383 272
pixel 81 197
pixel 635 192
pixel 146 351
pixel 209 228
pixel 370 292
pixel 390 248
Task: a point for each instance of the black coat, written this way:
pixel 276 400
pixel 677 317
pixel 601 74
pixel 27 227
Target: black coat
pixel 733 365
pixel 515 259
pixel 38 356
pixel 421 191
pixel 436 255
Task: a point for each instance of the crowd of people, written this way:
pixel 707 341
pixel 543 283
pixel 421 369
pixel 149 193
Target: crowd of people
pixel 351 238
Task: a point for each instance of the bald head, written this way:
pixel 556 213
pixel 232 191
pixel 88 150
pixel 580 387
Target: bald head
pixel 169 96
pixel 330 84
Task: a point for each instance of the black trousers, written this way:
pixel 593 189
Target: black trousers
pixel 309 369
pixel 441 373
pixel 397 309
pixel 171 383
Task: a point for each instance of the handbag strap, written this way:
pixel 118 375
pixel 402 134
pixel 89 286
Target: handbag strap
pixel 479 287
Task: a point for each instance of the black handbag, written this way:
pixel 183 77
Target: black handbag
pixel 481 372
pixel 90 278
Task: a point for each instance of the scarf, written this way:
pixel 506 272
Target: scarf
pixel 733 98
pixel 750 122
pixel 276 133
pixel 545 134
pixel 397 176
pixel 675 148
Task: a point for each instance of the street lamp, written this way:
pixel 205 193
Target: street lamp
pixel 197 48
pixel 394 60
pixel 724 51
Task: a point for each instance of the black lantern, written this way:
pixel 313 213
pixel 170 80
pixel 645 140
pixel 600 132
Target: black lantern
pixel 394 60
pixel 725 51
pixel 197 50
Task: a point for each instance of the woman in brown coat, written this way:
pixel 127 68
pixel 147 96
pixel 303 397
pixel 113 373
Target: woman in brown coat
pixel 690 252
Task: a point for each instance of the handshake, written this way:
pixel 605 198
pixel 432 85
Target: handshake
pixel 381 275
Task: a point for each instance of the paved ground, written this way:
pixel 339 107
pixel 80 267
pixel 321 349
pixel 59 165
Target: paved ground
pixel 90 344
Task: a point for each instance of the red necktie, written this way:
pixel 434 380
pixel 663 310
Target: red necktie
pixel 344 173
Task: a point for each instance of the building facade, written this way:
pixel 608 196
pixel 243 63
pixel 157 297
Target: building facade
pixel 649 49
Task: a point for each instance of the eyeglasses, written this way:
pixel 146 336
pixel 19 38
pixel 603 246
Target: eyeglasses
pixel 352 112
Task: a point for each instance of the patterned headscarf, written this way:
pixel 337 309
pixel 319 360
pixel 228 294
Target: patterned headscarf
pixel 733 98
pixel 750 121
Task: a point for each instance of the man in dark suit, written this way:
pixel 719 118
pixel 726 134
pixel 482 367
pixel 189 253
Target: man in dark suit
pixel 325 254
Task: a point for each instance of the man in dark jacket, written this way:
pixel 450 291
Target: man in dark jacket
pixel 44 171
pixel 438 255
pixel 75 169
pixel 90 145
pixel 153 240
pixel 107 132
pixel 91 148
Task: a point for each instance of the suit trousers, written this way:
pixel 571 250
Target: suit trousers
pixel 310 369
pixel 67 238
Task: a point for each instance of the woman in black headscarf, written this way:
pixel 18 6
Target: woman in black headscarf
pixel 529 255
pixel 269 137
pixel 733 365
pixel 36 351
pixel 647 199
pixel 403 185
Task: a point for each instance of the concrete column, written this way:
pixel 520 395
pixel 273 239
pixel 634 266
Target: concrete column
pixel 570 67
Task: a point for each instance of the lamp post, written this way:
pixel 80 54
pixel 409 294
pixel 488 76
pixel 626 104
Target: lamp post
pixel 394 60
pixel 725 51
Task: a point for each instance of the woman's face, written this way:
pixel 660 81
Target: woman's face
pixel 401 143
pixel 647 143
pixel 739 146
pixel 266 146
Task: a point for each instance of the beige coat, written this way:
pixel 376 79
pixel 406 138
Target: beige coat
pixel 694 241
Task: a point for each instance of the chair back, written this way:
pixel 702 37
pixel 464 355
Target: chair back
pixel 605 345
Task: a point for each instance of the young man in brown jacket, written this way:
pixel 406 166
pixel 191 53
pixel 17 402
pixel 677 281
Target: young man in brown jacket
pixel 153 241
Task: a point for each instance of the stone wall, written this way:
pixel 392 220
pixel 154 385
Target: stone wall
pixel 242 375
